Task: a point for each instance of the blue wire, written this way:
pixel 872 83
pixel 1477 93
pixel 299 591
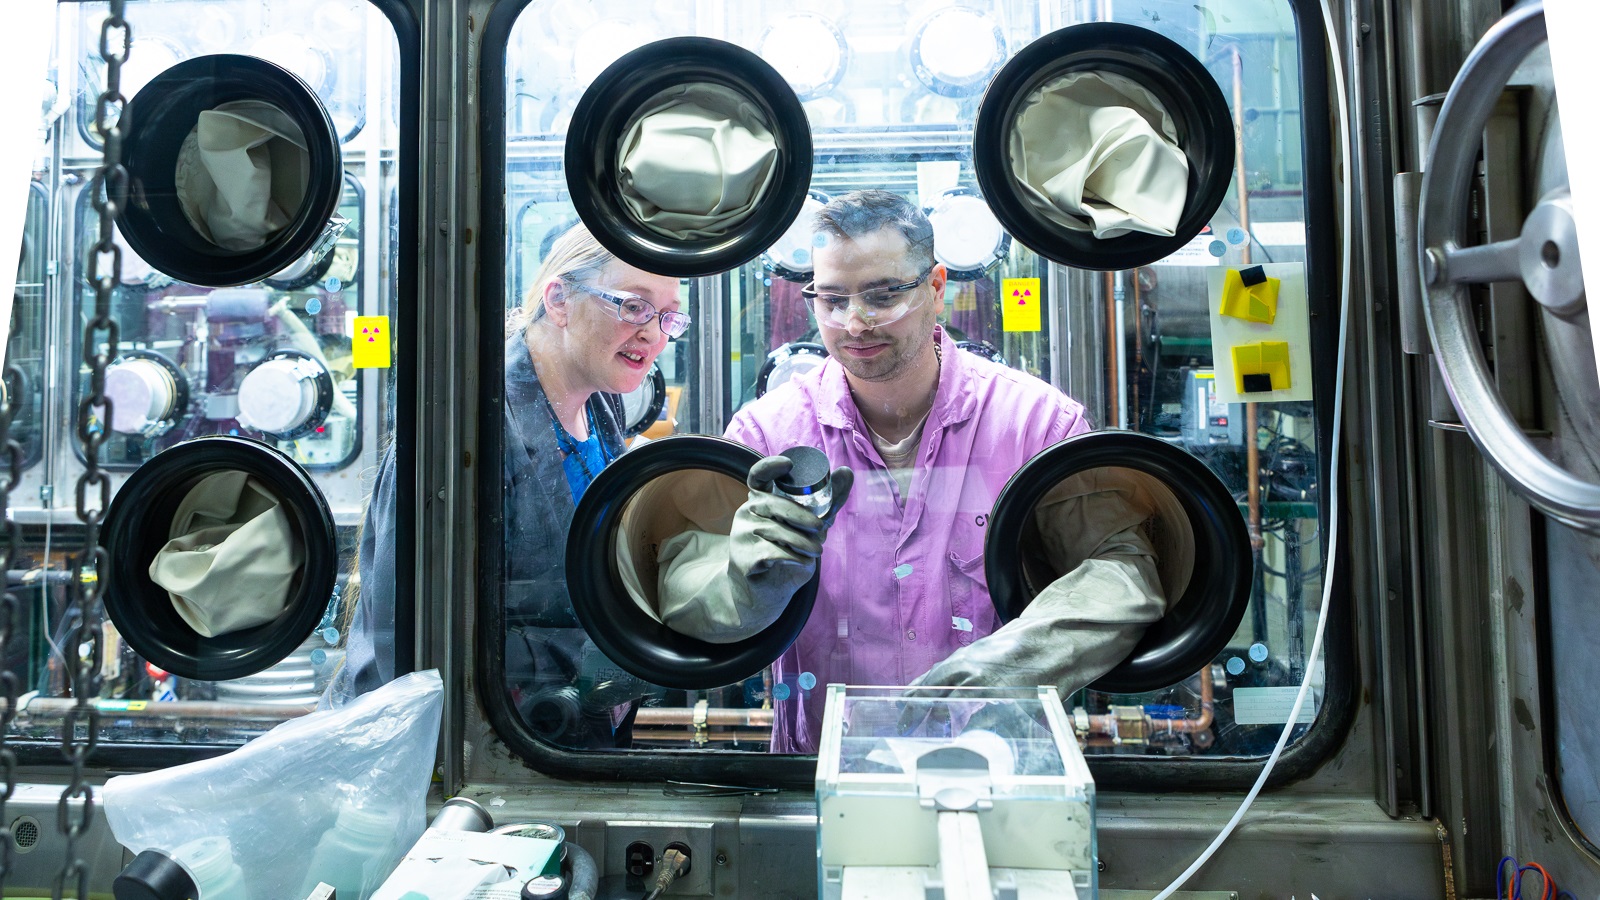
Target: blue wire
pixel 1500 878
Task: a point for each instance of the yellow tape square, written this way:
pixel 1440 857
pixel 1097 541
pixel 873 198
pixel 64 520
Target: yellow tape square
pixel 1261 367
pixel 1256 303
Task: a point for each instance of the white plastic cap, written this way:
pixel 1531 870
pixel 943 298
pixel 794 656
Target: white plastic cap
pixel 141 392
pixel 278 396
pixel 966 235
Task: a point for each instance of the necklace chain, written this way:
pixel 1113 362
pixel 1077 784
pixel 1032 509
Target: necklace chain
pixel 889 449
pixel 569 445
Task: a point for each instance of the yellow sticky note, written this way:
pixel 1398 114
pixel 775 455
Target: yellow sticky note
pixel 1261 367
pixel 369 344
pixel 1251 295
pixel 1020 303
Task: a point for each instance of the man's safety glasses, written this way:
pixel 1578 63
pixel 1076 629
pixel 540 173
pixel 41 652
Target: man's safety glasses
pixel 875 307
pixel 636 310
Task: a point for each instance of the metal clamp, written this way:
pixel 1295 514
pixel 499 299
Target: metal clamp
pixel 702 734
pixel 1544 257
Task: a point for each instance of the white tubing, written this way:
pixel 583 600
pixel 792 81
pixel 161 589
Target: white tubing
pixel 1332 487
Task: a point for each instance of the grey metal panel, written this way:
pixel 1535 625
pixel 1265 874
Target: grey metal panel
pixel 1574 582
pixel 1340 847
pixel 35 869
pixel 448 368
pixel 1382 474
pixel 1458 665
pixel 713 409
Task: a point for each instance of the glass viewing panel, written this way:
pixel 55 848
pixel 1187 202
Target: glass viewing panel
pixel 201 344
pixel 891 105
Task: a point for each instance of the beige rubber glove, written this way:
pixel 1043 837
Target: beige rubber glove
pixel 1078 628
pixel 725 588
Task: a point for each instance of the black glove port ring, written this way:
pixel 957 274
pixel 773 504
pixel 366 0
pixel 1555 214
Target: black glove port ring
pixel 624 632
pixel 1188 92
pixel 161 116
pixel 599 125
pixel 138 524
pixel 647 401
pixel 1199 625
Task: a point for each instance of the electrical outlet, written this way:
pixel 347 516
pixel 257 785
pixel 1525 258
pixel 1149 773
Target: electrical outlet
pixel 699 838
pixel 639 864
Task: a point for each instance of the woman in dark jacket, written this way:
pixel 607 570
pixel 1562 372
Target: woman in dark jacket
pixel 590 330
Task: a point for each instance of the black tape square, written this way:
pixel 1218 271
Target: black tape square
pixel 1257 383
pixel 1252 276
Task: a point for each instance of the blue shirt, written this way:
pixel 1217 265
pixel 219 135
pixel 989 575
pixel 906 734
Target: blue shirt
pixel 584 459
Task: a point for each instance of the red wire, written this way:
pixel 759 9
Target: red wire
pixel 1547 886
pixel 1549 883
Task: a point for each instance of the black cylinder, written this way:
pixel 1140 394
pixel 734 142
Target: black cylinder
pixel 153 875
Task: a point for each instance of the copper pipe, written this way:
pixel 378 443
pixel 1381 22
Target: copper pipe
pixel 685 737
pixel 1253 464
pixel 57 707
pixel 738 718
pixel 1107 724
pixel 1252 450
pixel 1208 710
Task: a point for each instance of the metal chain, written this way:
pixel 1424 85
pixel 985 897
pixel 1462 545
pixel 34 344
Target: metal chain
pixel 10 553
pixel 108 191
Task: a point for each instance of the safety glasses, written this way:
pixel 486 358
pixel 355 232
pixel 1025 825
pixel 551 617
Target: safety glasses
pixel 875 307
pixel 636 310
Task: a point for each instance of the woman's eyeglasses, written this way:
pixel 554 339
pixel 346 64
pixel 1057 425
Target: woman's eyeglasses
pixel 876 307
pixel 636 310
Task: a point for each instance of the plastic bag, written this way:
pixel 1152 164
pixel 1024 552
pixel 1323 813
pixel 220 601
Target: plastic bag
pixel 276 797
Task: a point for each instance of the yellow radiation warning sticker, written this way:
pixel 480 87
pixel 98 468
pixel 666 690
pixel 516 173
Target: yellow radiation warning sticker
pixel 369 342
pixel 1020 304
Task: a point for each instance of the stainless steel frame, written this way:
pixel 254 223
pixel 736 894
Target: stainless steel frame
pixel 1440 773
pixel 1449 262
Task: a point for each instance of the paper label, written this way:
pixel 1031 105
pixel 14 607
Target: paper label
pixel 369 342
pixel 934 177
pixel 1279 234
pixel 1197 252
pixel 1271 705
pixel 1020 304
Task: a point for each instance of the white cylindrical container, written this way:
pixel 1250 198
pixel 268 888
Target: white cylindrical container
pixel 141 393
pixel 278 396
pixel 348 851
pixel 211 865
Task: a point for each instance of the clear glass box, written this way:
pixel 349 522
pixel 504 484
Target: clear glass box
pixel 879 826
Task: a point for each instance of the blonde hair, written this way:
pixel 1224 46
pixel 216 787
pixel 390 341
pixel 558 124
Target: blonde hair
pixel 574 256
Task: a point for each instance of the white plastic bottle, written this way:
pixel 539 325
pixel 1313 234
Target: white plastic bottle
pixel 211 865
pixel 348 851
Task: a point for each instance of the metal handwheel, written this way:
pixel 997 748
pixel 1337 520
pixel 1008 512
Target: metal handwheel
pixel 1544 257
